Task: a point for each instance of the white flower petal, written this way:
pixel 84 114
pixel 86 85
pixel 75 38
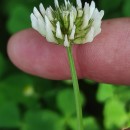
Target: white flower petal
pixel 49 30
pixel 68 2
pixel 89 36
pixel 97 31
pixel 49 13
pixel 86 17
pixel 37 13
pixel 80 13
pixel 101 14
pixel 79 4
pixel 97 27
pixel 58 31
pixel 42 29
pixel 42 9
pixel 74 12
pixel 72 33
pixel 33 17
pixel 92 8
pixel 71 20
pixel 66 42
pixel 65 3
pixel 34 21
pixel 96 15
pixel 38 24
pixel 56 3
pixel 86 8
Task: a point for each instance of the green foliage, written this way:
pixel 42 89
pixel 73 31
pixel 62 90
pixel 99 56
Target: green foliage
pixel 115 114
pixel 19 19
pixel 91 82
pixel 2 65
pixel 13 87
pixel 9 115
pixel 123 92
pixel 90 124
pixel 105 91
pixel 110 5
pixel 66 102
pixel 31 103
pixel 115 99
pixel 112 8
pixel 126 8
pixel 39 120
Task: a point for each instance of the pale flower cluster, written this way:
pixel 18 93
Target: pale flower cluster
pixel 67 24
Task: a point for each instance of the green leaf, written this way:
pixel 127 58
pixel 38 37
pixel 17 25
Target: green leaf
pixel 9 6
pixel 128 122
pixel 72 123
pixel 126 8
pixel 9 115
pixel 42 120
pixel 2 98
pixel 66 102
pixel 89 123
pixel 105 91
pixel 68 82
pixel 13 87
pixel 123 93
pixel 2 65
pixel 18 88
pixel 19 19
pixel 115 114
pixel 110 5
pixel 88 81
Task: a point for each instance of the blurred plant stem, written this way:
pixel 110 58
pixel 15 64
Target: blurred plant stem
pixel 76 89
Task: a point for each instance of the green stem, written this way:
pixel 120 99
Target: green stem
pixel 76 89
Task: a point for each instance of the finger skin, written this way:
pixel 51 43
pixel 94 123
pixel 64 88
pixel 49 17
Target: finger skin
pixel 106 59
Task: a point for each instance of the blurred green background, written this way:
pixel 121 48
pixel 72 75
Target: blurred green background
pixel 31 103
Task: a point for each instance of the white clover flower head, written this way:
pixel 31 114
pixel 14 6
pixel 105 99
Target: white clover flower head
pixel 67 24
